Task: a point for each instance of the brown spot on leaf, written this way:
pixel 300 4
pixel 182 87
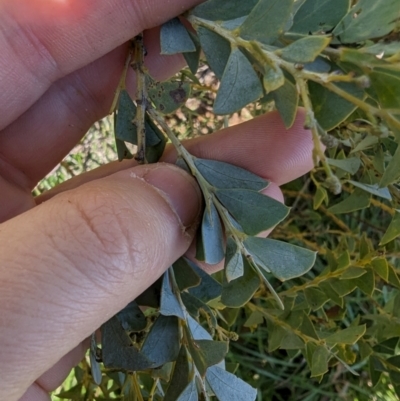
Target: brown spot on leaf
pixel 178 95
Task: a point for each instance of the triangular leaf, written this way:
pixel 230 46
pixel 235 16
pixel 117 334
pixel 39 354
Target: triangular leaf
pixel 225 175
pixel 197 331
pixel 216 48
pixel 253 211
pixel 386 84
pixel 132 318
pixel 286 101
pixel 180 377
pixel 285 261
pixel 189 393
pixel 237 292
pixel 168 96
pixel 373 189
pixel 305 50
pixel 193 58
pixel 234 266
pixel 350 165
pixel 331 109
pixel 240 85
pixel 227 387
pixel 393 231
pixel 118 351
pixel 347 336
pixel 206 353
pixel 320 358
pixel 212 236
pixel 162 343
pixel 174 38
pixel 185 276
pixel 392 172
pixel 125 129
pixel 208 289
pixel 273 78
pixel 381 267
pixel 357 200
pixel 169 304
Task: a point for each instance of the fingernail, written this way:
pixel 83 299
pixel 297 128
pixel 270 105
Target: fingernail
pixel 179 188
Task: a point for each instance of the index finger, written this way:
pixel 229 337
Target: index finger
pixel 44 40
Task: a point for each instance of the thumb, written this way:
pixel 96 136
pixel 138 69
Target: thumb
pixel 71 263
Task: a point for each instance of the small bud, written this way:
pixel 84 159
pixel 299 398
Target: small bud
pixel 381 131
pixel 363 82
pixel 329 141
pixel 334 185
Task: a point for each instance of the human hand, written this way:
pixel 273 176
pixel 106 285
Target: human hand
pixel 72 262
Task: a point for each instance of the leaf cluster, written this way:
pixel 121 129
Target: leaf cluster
pixel 285 323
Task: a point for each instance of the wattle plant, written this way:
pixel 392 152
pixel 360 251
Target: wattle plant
pixel 340 61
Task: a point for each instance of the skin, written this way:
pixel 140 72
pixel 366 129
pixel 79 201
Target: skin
pixel 72 258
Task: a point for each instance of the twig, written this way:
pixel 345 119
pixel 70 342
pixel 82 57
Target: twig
pixel 141 98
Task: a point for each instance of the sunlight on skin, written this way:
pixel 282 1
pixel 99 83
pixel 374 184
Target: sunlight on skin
pixel 31 10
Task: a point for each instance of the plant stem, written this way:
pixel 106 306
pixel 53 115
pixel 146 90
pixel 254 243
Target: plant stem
pixel 141 99
pixel 311 123
pixel 264 55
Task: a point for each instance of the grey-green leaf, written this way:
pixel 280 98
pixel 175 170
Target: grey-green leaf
pixel 212 236
pixel 305 50
pixel 320 358
pixel 286 100
pixel 189 393
pixel 222 10
pixel 350 165
pixel 228 387
pixel 125 129
pixel 331 109
pixel 185 276
pixel 216 49
pixel 169 304
pixel 238 292
pixel 273 78
pixel 132 318
pixel 253 211
pixel 357 200
pixel 240 85
pixel 393 231
pixel 180 377
pixel 347 336
pixel 392 172
pixel 122 150
pixel 117 349
pixel 373 189
pixel 174 38
pixel 285 261
pixel 162 343
pixel 319 15
pixel 368 19
pixel 267 20
pixel 234 266
pixel 94 365
pixel 386 84
pixel 193 58
pixel 225 175
pixel 213 352
pixel 197 331
pixel 168 96
pixel 208 289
